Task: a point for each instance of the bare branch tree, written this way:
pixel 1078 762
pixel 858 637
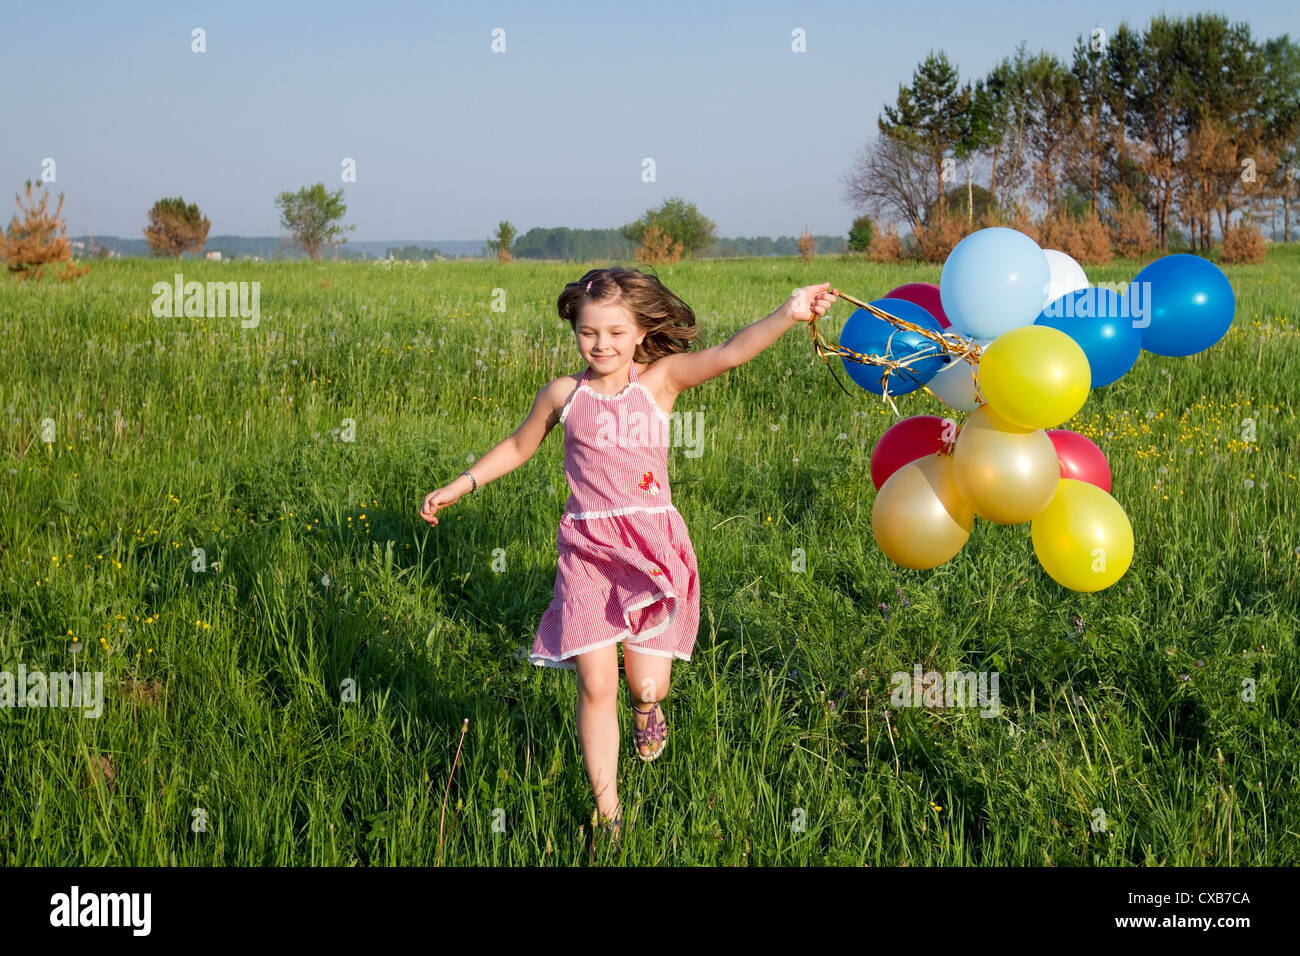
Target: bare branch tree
pixel 891 180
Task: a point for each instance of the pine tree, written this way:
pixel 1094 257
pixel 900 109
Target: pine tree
pixel 175 227
pixel 931 114
pixel 38 240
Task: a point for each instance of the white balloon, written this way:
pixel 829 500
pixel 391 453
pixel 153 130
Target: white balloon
pixel 954 385
pixel 1067 275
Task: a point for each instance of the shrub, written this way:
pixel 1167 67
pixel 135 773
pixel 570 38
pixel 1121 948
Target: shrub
pixel 807 246
pixel 1016 217
pixel 936 238
pixel 1092 241
pixel 1082 238
pixel 1243 243
pixel 1130 229
pixel 860 235
pixel 886 246
pixel 658 246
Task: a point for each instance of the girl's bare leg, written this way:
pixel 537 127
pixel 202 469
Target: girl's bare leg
pixel 597 718
pixel 647 679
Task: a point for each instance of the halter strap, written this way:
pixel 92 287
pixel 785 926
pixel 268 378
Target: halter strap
pixel 631 373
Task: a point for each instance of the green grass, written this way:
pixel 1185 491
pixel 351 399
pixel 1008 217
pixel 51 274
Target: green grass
pixel 176 434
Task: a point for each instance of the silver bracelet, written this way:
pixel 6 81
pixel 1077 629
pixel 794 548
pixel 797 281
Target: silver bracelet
pixel 473 483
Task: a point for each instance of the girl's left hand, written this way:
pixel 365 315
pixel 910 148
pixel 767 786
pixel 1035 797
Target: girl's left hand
pixel 811 300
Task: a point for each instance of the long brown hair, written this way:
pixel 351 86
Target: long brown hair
pixel 668 322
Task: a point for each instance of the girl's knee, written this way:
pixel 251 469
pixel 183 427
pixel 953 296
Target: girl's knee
pixel 649 683
pixel 598 687
pixel 597 674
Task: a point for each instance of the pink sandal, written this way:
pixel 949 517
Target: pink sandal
pixel 654 732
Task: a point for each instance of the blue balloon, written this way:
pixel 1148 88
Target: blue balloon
pixel 865 333
pixel 1189 305
pixel 993 281
pixel 1099 321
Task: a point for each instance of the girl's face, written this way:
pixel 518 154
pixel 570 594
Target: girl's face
pixel 607 336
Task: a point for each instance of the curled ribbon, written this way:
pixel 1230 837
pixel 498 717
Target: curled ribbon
pixel 959 346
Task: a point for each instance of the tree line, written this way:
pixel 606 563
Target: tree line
pixel 1187 123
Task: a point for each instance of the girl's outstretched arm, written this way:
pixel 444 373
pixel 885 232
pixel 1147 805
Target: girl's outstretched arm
pixel 688 369
pixel 506 455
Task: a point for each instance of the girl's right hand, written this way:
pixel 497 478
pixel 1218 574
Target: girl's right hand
pixel 435 500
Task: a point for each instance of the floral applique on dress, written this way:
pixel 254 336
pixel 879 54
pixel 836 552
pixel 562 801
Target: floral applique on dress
pixel 649 484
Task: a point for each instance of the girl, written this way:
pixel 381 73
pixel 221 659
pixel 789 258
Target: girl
pixel 626 572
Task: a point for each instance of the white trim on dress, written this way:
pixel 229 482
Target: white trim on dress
pixel 609 398
pixel 626 389
pixel 569 402
pixel 625 635
pixel 614 513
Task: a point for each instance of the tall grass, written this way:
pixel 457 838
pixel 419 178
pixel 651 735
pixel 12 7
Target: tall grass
pixel 1123 736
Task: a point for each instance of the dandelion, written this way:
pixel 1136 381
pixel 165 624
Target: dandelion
pixel 935 807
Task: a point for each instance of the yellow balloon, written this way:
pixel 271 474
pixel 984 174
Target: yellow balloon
pixel 919 518
pixel 1007 473
pixel 1083 539
pixel 1035 376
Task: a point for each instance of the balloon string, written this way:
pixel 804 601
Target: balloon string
pixel 959 346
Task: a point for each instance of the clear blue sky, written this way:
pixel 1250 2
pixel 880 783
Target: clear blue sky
pixel 450 138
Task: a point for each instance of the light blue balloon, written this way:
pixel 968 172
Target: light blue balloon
pixel 993 281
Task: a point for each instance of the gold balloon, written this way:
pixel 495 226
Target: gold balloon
pixel 1006 472
pixel 919 518
pixel 1083 539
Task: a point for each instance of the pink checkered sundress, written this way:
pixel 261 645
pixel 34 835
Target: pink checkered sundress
pixel 626 569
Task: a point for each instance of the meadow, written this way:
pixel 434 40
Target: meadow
pixel 294 691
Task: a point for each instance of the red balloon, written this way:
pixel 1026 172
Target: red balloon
pixel 924 294
pixel 1080 458
pixel 906 441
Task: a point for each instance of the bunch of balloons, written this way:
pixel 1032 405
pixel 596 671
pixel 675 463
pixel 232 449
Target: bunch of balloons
pixel 1016 336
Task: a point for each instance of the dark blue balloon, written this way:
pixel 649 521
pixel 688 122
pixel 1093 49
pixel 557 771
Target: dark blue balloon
pixel 1190 303
pixel 865 333
pixel 1101 322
